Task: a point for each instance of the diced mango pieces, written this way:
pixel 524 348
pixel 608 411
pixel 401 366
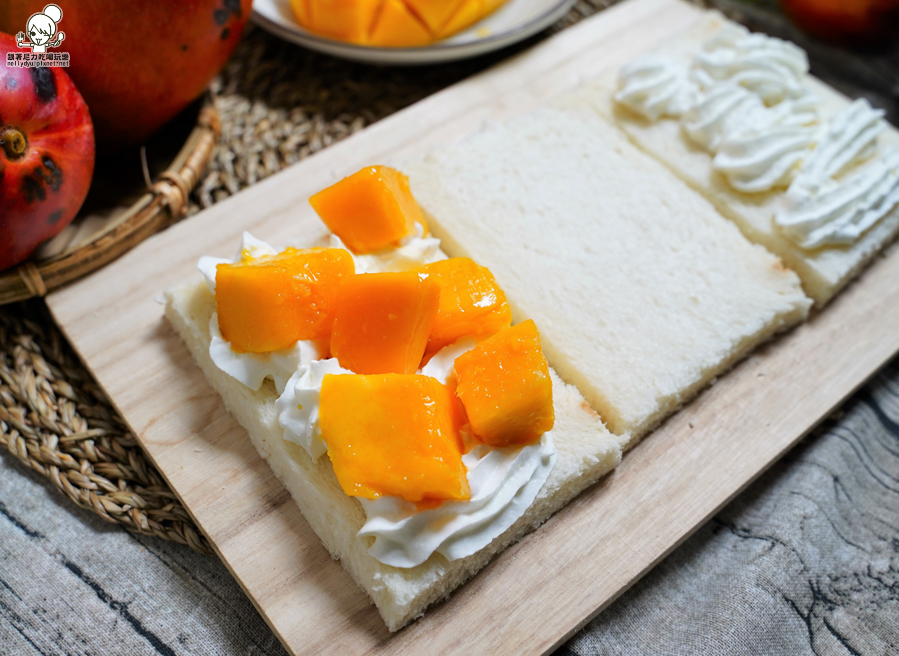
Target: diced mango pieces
pixel 347 20
pixel 434 12
pixel 382 322
pixel 394 434
pixel 471 302
pixel 397 27
pixel 268 303
pixel 505 387
pixel 302 11
pixel 369 210
pixel 390 23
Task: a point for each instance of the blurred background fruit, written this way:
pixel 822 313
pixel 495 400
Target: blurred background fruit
pixel 138 64
pixel 855 23
pixel 46 155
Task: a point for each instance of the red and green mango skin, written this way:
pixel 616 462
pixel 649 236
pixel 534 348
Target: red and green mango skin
pixel 46 155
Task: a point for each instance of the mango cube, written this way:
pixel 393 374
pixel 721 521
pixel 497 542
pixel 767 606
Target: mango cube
pixel 269 303
pixel 397 27
pixel 395 435
pixel 369 210
pixel 471 302
pixel 382 322
pixel 347 20
pixel 505 387
pixel 390 23
pixel 467 14
pixel 435 13
pixel 302 11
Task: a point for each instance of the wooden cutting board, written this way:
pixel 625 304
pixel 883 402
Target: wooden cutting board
pixel 537 593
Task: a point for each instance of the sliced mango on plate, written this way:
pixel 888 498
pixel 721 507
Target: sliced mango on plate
pixel 397 27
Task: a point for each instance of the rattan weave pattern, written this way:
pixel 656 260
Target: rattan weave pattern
pixel 56 420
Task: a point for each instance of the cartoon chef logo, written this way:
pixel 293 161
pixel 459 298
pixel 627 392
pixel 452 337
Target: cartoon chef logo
pixel 42 30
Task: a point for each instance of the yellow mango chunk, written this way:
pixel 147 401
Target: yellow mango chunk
pixel 434 12
pixel 268 303
pixel 390 23
pixel 395 435
pixel 369 210
pixel 302 12
pixel 382 322
pixel 397 27
pixel 467 14
pixel 346 20
pixel 505 387
pixel 471 302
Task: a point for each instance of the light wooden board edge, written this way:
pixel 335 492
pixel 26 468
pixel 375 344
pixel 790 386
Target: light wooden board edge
pixel 111 321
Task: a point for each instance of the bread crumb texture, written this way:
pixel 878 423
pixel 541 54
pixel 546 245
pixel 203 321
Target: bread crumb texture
pixel 642 291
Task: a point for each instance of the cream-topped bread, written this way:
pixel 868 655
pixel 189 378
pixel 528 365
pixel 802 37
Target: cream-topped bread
pixel 585 451
pixel 642 291
pixel 824 271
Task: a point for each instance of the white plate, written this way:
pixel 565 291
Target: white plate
pixel 514 21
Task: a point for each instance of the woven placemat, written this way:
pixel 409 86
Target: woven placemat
pixel 278 104
pixel 55 419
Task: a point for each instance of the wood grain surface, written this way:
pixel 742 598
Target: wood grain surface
pixel 532 596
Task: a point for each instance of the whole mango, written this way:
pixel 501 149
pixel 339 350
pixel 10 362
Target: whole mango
pixel 46 155
pixel 138 64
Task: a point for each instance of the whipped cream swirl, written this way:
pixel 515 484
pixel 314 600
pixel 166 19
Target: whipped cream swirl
pixel 826 212
pixel 412 252
pixel 751 112
pixel 848 138
pixel 504 483
pixel 252 369
pixel 754 161
pixel 654 87
pixel 298 406
pixel 723 110
pixel 765 152
pixel 770 68
pixel 822 209
pixel 440 366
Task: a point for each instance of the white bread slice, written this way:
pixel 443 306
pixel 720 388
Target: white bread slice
pixel 824 271
pixel 643 293
pixel 586 450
